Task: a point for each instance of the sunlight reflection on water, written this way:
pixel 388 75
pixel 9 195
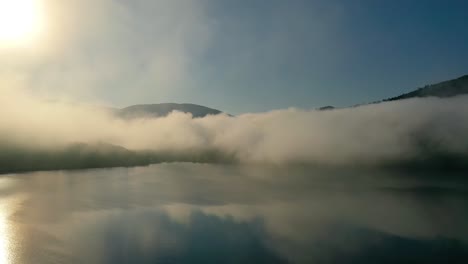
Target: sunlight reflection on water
pixel 5 235
pixel 4 243
pixel 8 205
pixel 198 213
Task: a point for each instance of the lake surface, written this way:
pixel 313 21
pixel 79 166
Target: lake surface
pixel 199 213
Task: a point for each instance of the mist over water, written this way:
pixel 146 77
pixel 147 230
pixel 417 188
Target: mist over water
pixel 420 130
pixel 189 213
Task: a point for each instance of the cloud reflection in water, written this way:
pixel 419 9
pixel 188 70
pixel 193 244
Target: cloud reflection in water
pixel 189 213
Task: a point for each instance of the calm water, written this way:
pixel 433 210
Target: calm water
pixel 187 213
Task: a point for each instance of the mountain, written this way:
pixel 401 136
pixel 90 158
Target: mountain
pixel 449 88
pixel 158 110
pixel 325 108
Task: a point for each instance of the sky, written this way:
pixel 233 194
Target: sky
pixel 238 56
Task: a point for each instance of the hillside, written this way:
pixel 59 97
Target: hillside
pixel 449 88
pixel 158 110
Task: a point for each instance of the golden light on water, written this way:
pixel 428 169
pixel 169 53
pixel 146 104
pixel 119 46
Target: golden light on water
pixel 21 21
pixel 7 208
pixel 5 234
pixel 4 239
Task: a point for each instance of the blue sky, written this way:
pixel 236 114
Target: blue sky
pixel 275 54
pixel 243 56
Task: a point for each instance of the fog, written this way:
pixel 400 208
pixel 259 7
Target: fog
pixel 415 129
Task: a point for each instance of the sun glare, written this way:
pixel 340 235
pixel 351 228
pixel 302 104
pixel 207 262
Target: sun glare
pixel 20 21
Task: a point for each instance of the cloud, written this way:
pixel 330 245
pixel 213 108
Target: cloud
pixel 366 135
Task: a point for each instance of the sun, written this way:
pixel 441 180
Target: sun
pixel 20 21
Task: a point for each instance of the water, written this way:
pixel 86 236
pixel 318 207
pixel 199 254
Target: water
pixel 188 213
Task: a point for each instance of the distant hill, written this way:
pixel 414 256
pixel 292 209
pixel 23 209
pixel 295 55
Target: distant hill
pixel 449 88
pixel 16 158
pixel 325 108
pixel 159 110
pixel 19 158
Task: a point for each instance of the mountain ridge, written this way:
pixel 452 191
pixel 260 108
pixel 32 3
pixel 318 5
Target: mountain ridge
pixel 163 109
pixel 449 88
pixel 444 89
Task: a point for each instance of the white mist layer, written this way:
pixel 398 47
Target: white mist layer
pixel 366 134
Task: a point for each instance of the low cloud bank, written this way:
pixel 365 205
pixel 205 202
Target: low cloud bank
pixel 418 131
